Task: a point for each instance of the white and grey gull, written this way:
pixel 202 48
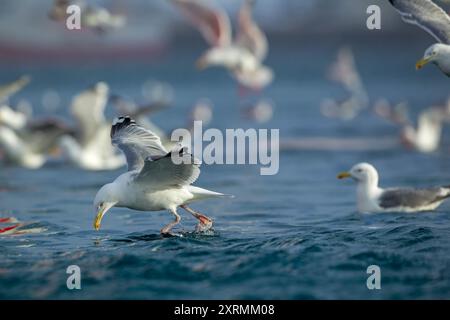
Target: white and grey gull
pixel 243 56
pixel 154 181
pixel 433 19
pixel 370 198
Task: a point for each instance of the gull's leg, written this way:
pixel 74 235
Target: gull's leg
pixel 166 229
pixel 205 222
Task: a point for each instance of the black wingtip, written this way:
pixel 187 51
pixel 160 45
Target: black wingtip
pixel 181 152
pixel 120 123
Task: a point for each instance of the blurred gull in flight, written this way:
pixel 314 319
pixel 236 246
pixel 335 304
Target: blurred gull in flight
pixel 371 198
pixel 153 181
pixel 344 72
pixel 426 136
pixel 91 148
pixel 92 17
pixel 28 143
pixel 23 141
pixel 433 19
pixel 242 57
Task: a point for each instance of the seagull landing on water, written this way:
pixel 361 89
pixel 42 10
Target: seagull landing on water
pixel 153 181
pixel 371 198
pixel 433 19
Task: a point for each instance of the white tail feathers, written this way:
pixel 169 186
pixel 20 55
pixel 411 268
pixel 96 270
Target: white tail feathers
pixel 200 193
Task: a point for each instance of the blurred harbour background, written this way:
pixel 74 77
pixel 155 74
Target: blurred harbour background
pixel 152 26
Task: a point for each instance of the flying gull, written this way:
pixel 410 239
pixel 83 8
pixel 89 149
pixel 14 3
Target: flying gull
pixel 426 135
pixel 244 55
pixel 153 181
pixel 433 19
pixel 344 72
pixel 27 142
pixel 90 148
pixel 371 198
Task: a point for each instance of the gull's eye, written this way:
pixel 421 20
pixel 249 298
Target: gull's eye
pixel 359 170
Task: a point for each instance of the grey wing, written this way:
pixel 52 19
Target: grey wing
pixel 427 15
pixel 411 198
pixel 164 172
pixel 136 143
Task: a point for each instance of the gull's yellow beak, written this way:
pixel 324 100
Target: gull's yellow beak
pixel 98 218
pixel 422 62
pixel 344 175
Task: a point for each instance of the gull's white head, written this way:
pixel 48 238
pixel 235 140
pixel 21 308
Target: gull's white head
pixel 362 173
pixel 433 54
pixel 106 198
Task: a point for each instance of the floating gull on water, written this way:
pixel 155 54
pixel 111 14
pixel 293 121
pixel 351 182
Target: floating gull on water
pixel 92 17
pixel 153 181
pixel 371 198
pixel 433 19
pixel 91 147
pixel 242 57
